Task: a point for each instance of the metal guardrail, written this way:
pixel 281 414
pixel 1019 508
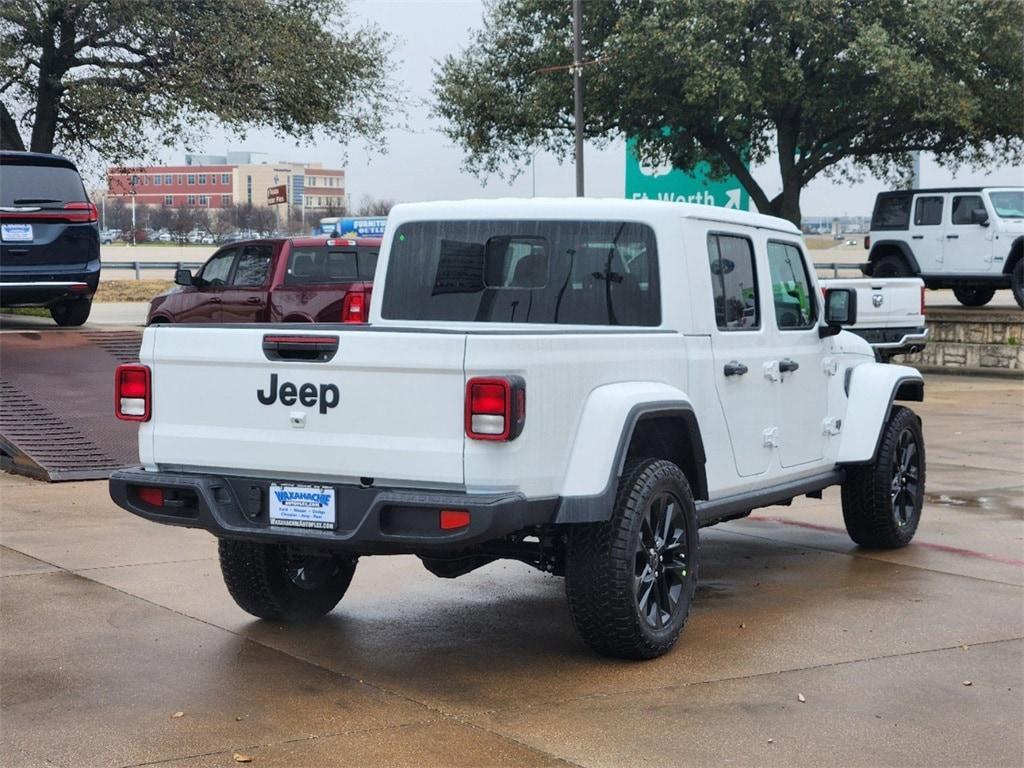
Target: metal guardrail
pixel 138 266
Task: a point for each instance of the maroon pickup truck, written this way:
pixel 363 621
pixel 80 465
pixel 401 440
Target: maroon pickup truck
pixel 300 280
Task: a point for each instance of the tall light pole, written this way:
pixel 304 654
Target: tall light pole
pixel 577 88
pixel 134 180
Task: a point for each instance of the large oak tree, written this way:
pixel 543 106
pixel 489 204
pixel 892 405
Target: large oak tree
pixel 838 87
pixel 117 77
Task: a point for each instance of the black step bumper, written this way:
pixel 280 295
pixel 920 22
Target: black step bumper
pixel 369 520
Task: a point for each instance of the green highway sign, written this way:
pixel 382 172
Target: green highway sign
pixel 663 182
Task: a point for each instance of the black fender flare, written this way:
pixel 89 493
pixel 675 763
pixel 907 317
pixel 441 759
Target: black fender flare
pixel 1015 254
pixel 904 249
pixel 599 507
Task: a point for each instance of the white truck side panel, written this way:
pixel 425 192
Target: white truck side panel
pixel 871 388
pixel 562 372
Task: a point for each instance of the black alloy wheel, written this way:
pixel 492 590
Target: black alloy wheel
pixel 906 479
pixel 661 568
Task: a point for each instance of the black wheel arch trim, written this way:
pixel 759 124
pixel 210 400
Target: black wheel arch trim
pixel 599 507
pixel 1014 255
pixel 875 254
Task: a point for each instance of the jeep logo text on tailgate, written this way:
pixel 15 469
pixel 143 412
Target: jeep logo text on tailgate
pixel 306 394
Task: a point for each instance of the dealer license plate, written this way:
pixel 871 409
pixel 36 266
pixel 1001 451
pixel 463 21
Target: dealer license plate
pixel 302 506
pixel 16 233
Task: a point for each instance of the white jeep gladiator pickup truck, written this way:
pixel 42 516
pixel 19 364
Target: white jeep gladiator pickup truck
pixel 970 239
pixel 576 384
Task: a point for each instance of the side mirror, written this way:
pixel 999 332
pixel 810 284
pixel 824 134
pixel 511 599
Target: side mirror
pixel 979 216
pixel 840 310
pixel 183 277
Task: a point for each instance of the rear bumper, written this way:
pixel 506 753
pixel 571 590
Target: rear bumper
pixel 20 287
pixel 895 340
pixel 369 520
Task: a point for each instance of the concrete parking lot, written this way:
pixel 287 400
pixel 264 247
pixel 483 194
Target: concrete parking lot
pixel 121 647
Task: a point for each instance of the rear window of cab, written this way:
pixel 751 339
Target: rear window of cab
pixel 524 271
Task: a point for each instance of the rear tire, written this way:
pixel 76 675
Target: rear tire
pixel 272 581
pixel 974 297
pixel 891 266
pixel 882 501
pixel 1017 283
pixel 630 580
pixel 71 313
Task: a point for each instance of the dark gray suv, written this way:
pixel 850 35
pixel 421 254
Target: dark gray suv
pixel 49 238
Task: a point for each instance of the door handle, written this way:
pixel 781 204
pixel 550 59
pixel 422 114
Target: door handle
pixel 254 300
pixel 917 237
pixel 734 368
pixel 952 237
pixel 215 300
pixel 788 365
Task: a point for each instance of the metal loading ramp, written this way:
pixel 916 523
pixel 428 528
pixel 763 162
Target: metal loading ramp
pixel 56 403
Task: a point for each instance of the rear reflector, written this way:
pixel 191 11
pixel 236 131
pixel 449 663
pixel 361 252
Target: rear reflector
pixel 495 408
pixel 452 519
pixel 132 392
pixel 867 243
pixel 152 496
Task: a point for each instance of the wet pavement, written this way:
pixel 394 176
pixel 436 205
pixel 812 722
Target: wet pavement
pixel 111 625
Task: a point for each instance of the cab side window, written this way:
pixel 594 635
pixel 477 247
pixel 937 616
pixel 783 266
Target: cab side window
pixel 733 282
pixel 795 304
pixel 927 211
pixel 216 270
pixel 962 207
pixel 253 266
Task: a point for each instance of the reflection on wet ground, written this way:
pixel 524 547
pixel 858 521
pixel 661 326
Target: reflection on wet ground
pixel 1010 506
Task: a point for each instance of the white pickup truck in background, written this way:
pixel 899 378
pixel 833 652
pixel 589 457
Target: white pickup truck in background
pixel 890 313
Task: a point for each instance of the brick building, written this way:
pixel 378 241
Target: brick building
pixel 220 181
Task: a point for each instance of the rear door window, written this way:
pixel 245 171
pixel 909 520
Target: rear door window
pixel 733 282
pixel 795 305
pixel 34 184
pixel 928 211
pixel 253 266
pixel 328 265
pixel 524 271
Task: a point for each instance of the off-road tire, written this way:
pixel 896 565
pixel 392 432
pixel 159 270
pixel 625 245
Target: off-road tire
pixel 257 577
pixel 1017 283
pixel 69 314
pixel 602 559
pixel 891 266
pixel 868 497
pixel 974 297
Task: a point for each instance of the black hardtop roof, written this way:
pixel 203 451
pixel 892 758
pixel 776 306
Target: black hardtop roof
pixel 34 158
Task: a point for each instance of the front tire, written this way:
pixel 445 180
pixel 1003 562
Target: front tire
pixel 275 582
pixel 974 297
pixel 69 314
pixel 882 501
pixel 1017 283
pixel 630 580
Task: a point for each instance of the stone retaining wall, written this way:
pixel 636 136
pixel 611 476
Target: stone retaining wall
pixel 984 341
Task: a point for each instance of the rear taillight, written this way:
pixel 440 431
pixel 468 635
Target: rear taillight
pixel 355 308
pixel 81 213
pixel 495 408
pixel 924 310
pixel 75 213
pixel 133 388
pixel 867 243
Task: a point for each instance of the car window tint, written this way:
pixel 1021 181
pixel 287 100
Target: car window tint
pixel 324 265
pixel 45 185
pixel 253 265
pixel 524 271
pixel 733 282
pixel 217 269
pixel 928 211
pixel 891 212
pixel 962 207
pixel 1008 204
pixel 795 305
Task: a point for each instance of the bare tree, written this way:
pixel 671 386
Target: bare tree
pixel 369 206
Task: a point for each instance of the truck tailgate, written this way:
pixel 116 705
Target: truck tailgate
pixel 891 302
pixel 387 405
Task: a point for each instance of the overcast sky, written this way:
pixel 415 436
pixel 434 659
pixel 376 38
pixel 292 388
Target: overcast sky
pixel 421 164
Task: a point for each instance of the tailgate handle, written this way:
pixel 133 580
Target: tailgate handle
pixel 308 348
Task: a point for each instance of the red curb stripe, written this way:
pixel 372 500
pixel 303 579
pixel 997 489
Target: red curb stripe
pixel 925 544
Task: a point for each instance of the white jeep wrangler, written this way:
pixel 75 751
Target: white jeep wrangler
pixel 968 239
pixel 576 384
